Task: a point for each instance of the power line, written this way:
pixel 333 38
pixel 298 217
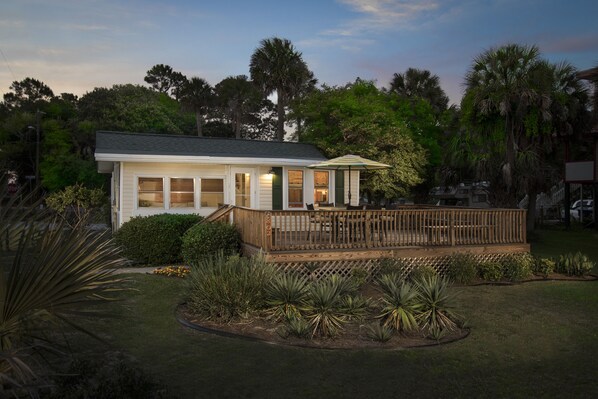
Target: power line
pixel 7 64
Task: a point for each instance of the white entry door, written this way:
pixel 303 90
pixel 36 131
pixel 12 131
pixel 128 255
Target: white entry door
pixel 244 187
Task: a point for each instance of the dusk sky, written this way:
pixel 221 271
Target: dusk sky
pixel 76 45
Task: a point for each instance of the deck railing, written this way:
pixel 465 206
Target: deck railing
pixel 340 229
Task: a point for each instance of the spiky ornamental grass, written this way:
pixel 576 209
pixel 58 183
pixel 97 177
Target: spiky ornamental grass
pixel 49 274
pixel 437 304
pixel 226 288
pixel 286 296
pixel 323 309
pixel 400 303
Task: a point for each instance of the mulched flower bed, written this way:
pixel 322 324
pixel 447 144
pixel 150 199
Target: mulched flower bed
pixel 352 337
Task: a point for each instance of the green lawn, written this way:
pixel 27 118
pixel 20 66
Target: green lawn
pixel 533 340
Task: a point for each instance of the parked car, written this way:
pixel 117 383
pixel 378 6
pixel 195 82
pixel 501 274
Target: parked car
pixel 588 210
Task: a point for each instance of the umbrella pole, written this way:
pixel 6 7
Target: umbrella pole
pixel 350 185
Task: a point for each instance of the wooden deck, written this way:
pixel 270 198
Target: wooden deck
pixel 294 236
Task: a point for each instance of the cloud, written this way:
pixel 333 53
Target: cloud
pixel 80 27
pixel 571 44
pixel 379 15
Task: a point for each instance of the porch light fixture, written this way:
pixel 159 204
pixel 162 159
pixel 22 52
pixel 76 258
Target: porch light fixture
pixel 271 171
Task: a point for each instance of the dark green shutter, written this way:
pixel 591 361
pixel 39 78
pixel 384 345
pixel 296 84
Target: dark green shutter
pixel 339 188
pixel 277 189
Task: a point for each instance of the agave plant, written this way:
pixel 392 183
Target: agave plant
pixel 323 309
pixel 437 304
pixel 48 274
pixel 379 332
pixel 355 307
pixel 399 303
pixel 286 295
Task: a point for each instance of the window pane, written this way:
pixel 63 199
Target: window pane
pixel 182 185
pixel 151 200
pixel 295 189
pixel 181 193
pixel 243 189
pixel 151 184
pixel 212 193
pixel 150 192
pixel 321 186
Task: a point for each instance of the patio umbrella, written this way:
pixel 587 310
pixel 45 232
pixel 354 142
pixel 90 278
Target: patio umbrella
pixel 349 162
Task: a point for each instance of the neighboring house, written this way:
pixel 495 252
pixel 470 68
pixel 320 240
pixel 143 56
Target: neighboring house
pixel 472 195
pixel 160 173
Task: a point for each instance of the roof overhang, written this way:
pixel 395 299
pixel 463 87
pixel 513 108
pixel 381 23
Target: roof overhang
pixel 206 160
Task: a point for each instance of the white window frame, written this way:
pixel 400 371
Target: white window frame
pixel 169 178
pixel 198 197
pixel 165 191
pixel 286 188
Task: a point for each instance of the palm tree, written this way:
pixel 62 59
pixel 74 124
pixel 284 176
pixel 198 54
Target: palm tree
pixel 49 274
pixel 276 66
pixel 197 96
pixel 499 82
pixel 420 83
pixel 236 96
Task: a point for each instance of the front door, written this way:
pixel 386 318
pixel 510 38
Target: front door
pixel 244 185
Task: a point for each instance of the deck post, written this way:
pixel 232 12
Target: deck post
pixel 268 230
pixel 452 227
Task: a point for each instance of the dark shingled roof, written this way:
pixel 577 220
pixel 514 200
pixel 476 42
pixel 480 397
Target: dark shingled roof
pixel 170 144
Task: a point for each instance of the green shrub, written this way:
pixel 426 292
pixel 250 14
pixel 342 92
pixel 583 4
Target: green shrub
pixel 286 295
pixel 207 239
pixel 437 304
pixel 155 240
pixel 392 265
pixel 462 268
pixel 543 266
pixel 490 271
pixel 108 378
pixel 399 303
pixel 576 264
pixel 359 276
pixel 379 332
pixel 421 272
pixel 76 204
pixel 517 267
pixel 225 288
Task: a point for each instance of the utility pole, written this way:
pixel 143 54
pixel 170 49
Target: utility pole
pixel 38 115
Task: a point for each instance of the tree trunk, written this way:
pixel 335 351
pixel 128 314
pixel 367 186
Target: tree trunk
pixel 199 122
pixel 532 196
pixel 237 125
pixel 280 122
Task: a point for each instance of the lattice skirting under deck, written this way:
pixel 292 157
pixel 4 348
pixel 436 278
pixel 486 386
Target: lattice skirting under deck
pixel 322 269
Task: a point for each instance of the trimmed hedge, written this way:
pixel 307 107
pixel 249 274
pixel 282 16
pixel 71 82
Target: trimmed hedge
pixel 208 239
pixel 154 240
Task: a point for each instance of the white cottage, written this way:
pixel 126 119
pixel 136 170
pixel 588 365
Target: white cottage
pixel 161 173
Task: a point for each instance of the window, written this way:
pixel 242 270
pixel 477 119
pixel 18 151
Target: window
pixel 321 187
pixel 295 189
pixel 181 193
pixel 243 189
pixel 150 192
pixel 212 192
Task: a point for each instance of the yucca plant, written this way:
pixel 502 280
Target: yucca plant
pixel 399 303
pixel 323 309
pixel 344 285
pixel 355 307
pixel 436 333
pixel 225 287
pixel 379 332
pixel 286 295
pixel 437 304
pixel 297 327
pixel 49 274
